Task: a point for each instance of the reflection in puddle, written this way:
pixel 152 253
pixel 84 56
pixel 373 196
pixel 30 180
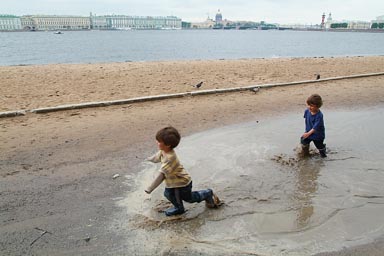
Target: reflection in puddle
pixel 275 201
pixel 306 188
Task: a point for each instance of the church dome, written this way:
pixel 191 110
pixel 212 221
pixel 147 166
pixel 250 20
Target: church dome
pixel 219 17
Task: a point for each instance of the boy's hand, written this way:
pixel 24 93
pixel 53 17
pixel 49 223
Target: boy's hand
pixel 146 191
pixel 309 133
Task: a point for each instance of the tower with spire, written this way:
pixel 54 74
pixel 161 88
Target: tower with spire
pixel 322 20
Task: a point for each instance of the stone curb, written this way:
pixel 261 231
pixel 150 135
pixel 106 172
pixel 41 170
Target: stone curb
pixel 175 95
pixel 108 103
pixel 13 113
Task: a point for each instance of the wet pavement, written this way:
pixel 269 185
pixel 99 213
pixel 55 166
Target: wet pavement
pixel 275 202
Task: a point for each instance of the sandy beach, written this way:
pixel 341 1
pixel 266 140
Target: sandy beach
pixel 28 87
pixel 56 169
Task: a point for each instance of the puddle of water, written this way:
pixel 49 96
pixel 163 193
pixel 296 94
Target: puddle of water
pixel 275 202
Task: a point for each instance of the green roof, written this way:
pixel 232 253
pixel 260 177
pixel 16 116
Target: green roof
pixel 8 16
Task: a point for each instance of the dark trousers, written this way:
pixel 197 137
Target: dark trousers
pixel 319 144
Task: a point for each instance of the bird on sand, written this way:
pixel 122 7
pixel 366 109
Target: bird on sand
pixel 255 89
pixel 317 76
pixel 198 85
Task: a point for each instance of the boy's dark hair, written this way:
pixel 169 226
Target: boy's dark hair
pixel 315 99
pixel 169 136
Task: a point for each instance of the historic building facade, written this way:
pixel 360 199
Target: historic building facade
pixel 55 22
pixel 207 24
pixel 10 23
pixel 124 22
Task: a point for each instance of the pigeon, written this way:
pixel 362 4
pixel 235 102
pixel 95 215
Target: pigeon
pixel 317 76
pixel 198 85
pixel 255 89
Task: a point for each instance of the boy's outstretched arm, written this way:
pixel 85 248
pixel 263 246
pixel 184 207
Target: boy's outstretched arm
pixel 155 158
pixel 156 182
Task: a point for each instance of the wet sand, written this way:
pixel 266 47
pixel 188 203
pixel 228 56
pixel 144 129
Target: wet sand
pixel 274 200
pixel 56 169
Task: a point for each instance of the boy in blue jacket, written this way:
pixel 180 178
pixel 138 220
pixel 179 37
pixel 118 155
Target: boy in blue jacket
pixel 314 126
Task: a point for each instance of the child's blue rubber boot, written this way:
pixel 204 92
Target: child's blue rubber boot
pixel 174 211
pixel 211 200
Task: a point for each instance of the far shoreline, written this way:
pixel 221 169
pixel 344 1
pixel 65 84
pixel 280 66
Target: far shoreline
pixel 368 30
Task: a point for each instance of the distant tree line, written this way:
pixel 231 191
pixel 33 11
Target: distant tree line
pixel 377 25
pixel 339 25
pixel 185 24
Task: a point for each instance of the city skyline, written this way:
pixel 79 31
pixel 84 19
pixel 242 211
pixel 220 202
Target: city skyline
pixel 273 11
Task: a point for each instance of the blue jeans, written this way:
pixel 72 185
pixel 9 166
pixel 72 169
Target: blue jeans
pixel 177 195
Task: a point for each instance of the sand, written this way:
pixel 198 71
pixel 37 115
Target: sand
pixel 56 169
pixel 28 87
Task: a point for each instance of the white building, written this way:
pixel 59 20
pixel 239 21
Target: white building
pixel 10 23
pixel 59 22
pixel 359 25
pixel 207 24
pixel 55 22
pixel 99 22
pixel 124 22
pixel 352 24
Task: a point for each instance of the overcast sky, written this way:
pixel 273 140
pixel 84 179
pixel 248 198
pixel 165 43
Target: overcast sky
pixel 271 11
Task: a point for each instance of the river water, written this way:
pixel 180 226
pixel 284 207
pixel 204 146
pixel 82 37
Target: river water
pixel 275 202
pixel 25 48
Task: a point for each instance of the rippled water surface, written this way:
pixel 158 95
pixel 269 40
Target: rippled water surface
pixel 24 48
pixel 275 203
